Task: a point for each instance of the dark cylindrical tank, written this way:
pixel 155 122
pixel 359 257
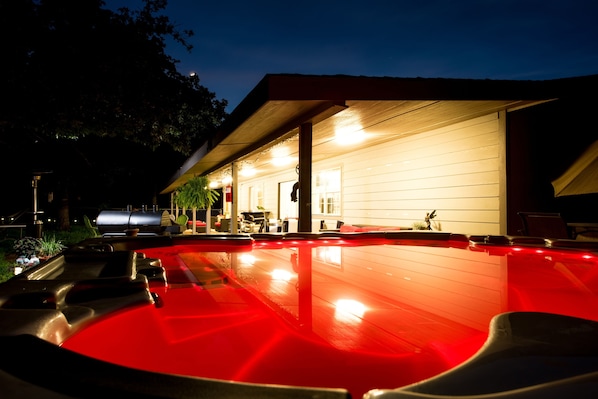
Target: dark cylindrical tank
pixel 149 221
pixel 113 222
pixel 152 222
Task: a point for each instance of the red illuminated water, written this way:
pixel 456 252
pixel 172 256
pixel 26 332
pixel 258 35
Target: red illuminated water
pixel 353 317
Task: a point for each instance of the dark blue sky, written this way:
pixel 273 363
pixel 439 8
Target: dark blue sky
pixel 237 42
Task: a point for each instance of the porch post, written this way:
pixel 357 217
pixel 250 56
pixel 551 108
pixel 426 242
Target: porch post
pixel 305 158
pixel 172 204
pixel 234 220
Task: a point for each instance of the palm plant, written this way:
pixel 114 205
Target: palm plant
pixel 196 194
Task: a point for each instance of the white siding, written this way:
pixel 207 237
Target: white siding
pixel 456 170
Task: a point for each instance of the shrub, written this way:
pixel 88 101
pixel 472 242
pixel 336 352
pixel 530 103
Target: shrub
pixel 74 236
pixel 6 268
pixel 27 246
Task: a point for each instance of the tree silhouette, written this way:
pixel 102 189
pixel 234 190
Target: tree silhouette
pixel 74 72
pixel 75 69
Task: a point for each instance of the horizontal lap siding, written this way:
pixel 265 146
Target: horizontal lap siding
pixel 455 170
pixel 463 286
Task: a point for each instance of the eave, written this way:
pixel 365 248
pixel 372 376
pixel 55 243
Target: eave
pixel 385 108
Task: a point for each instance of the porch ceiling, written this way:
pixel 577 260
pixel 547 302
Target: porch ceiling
pixel 264 127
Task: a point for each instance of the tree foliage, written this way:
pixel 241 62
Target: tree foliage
pixel 72 69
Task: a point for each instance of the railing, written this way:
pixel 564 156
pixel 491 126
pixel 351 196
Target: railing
pixel 5 227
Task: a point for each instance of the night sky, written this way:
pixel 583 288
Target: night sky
pixel 237 42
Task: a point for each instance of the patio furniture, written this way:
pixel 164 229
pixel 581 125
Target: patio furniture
pixel 182 220
pixel 544 224
pixel 93 231
pixel 254 220
pixel 179 224
pixel 584 230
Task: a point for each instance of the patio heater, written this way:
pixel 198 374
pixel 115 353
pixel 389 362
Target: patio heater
pixel 37 223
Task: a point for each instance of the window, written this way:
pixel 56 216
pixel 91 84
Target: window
pixel 256 197
pixel 327 192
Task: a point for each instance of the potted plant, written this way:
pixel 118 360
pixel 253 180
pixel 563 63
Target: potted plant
pixel 50 246
pixel 196 194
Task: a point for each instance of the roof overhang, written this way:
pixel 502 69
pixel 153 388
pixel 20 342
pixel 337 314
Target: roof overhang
pixel 384 108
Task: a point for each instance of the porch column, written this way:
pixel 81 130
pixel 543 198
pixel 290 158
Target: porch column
pixel 305 158
pixel 234 220
pixel 172 204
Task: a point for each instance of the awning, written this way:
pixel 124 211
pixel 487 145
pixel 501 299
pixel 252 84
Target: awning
pixel 581 177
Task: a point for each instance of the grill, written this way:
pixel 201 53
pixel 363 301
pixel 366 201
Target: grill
pixel 118 223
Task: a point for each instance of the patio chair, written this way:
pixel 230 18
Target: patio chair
pixel 248 224
pixel 182 220
pixel 544 224
pixel 93 231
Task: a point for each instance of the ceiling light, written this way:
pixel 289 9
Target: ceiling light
pixel 282 161
pixel 348 136
pixel 248 172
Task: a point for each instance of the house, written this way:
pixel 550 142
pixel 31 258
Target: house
pixel 386 151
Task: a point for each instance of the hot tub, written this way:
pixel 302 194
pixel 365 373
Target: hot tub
pixel 331 315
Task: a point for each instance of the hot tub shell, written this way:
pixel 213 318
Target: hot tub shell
pixel 527 354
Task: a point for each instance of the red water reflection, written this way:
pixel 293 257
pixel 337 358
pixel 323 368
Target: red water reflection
pixel 338 315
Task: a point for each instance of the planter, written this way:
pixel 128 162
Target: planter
pixel 131 232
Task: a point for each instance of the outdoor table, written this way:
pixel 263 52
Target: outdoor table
pixel 583 227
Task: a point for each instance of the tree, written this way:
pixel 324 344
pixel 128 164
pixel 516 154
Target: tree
pixel 73 70
pixel 196 194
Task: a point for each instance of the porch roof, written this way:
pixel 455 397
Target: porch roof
pixel 385 108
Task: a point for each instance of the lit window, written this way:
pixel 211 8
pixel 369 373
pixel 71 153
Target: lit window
pixel 327 192
pixel 256 197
